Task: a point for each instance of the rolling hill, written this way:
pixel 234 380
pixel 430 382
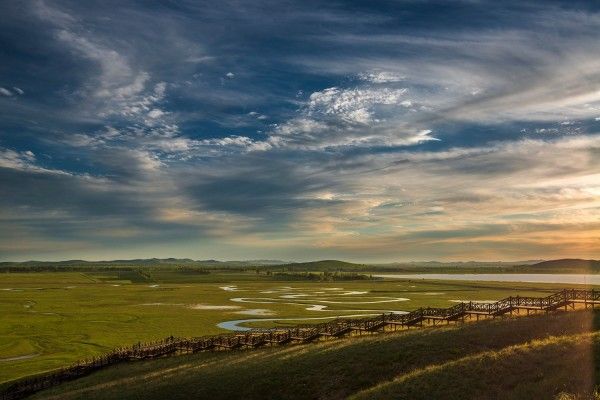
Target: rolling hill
pixel 567 264
pixel 322 265
pixel 538 357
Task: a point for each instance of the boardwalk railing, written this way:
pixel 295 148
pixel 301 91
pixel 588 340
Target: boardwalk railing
pixel 300 334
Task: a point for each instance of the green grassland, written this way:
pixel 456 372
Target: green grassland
pixel 51 319
pixel 538 357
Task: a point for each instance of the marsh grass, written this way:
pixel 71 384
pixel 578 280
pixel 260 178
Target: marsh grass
pixel 49 320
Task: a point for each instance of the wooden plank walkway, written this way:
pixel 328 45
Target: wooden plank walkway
pixel 564 299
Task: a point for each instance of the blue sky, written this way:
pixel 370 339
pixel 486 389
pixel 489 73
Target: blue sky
pixel 367 131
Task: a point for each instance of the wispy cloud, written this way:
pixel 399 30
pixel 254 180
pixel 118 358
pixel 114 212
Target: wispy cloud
pixel 15 160
pixel 380 77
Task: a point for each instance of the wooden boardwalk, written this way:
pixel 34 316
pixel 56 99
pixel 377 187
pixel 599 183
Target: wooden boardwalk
pixel 565 299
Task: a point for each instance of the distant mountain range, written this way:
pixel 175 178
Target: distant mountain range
pixel 562 265
pixel 146 262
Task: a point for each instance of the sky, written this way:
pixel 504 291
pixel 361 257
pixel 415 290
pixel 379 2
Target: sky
pixel 372 131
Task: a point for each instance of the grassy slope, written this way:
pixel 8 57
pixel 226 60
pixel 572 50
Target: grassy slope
pixel 532 370
pixel 535 357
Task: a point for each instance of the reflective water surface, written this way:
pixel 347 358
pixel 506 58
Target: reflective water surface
pixel 539 278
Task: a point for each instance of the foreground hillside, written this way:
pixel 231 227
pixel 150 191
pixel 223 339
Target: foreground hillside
pixel 541 357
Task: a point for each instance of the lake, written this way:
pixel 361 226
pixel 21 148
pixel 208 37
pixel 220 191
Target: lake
pixel 533 278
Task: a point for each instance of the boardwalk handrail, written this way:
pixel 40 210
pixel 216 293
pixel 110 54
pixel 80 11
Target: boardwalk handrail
pixel 299 333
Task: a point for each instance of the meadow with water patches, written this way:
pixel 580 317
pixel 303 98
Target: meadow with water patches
pixel 53 319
